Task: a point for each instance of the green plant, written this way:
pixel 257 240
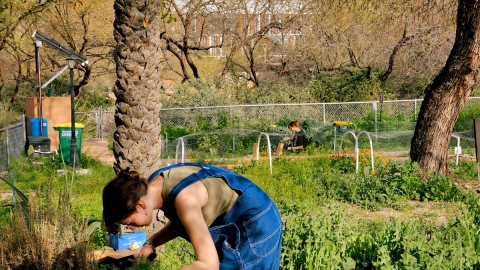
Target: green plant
pixel 91 98
pixel 96 234
pixel 7 115
pixel 174 132
pixel 352 85
pixel 465 118
pixel 440 187
pixel 328 210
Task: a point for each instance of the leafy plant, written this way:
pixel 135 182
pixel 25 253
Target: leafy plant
pixel 465 118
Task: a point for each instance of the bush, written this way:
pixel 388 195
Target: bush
pixel 465 118
pixel 7 115
pixel 349 85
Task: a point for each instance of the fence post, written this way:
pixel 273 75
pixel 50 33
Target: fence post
pixel 233 134
pixel 24 128
pixel 476 135
pixel 97 125
pixel 323 105
pixel 8 148
pixel 415 110
pixel 102 124
pixel 256 153
pixel 374 107
pixel 8 167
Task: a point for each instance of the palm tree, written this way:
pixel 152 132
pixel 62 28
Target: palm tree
pixel 137 27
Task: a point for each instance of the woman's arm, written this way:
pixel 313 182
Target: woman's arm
pixel 189 204
pixel 295 147
pixel 164 235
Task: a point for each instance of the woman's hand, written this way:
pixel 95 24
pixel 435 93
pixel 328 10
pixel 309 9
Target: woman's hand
pixel 287 139
pixel 146 250
pixel 159 238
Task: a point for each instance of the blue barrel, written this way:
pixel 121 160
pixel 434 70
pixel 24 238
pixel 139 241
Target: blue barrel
pixel 35 124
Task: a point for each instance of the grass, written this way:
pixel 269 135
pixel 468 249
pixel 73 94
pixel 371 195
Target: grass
pixel 49 236
pixel 393 218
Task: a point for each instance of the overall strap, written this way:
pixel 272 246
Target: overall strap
pixel 157 172
pixel 203 173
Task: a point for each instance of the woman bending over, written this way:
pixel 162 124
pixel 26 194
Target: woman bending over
pixel 230 222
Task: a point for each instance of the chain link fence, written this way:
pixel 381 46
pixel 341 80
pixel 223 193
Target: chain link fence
pixel 244 123
pixel 12 144
pixel 241 126
pixel 100 123
pixel 267 114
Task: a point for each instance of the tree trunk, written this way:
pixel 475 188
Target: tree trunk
pixel 137 144
pixel 85 80
pixel 446 96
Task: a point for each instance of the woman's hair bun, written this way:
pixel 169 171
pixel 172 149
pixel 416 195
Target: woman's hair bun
pixel 128 174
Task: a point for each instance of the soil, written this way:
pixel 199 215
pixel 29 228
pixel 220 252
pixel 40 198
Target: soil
pixel 437 212
pixel 4 196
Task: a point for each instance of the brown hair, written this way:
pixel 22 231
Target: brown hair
pixel 294 124
pixel 120 196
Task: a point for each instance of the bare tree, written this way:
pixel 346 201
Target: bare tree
pixel 82 28
pixel 17 17
pixel 184 36
pixel 401 43
pixel 395 39
pixel 260 30
pixel 13 13
pixel 446 95
pixel 76 24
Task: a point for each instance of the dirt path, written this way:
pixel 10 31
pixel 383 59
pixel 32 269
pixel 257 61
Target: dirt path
pixel 98 149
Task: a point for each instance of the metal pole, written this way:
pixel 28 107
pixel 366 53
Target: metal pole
pixel 324 122
pixel 97 121
pixel 376 129
pixel 415 111
pixel 10 169
pixel 102 123
pixel 73 140
pixel 24 127
pixel 381 108
pixel 166 145
pixel 334 138
pixel 8 148
pixel 233 133
pixel 38 44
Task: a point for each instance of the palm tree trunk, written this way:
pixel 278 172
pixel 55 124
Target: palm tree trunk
pixel 137 28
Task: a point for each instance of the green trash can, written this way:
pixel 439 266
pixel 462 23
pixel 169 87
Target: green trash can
pixel 65 136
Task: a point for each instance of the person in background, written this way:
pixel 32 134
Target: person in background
pixel 299 139
pixel 230 221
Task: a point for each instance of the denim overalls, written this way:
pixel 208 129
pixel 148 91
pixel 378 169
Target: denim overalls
pixel 249 236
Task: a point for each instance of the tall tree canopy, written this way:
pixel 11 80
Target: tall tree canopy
pixel 446 95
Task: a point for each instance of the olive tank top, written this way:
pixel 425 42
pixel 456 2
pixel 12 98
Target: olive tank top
pixel 220 196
